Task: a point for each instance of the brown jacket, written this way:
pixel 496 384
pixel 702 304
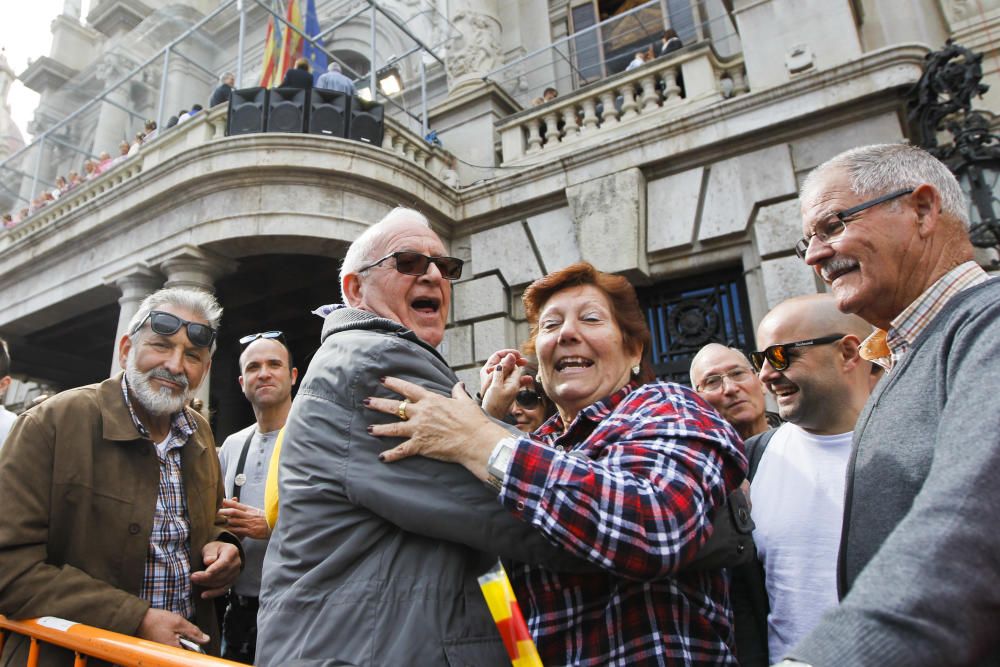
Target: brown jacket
pixel 78 488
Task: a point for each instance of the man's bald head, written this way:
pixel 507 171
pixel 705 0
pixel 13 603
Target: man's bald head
pixel 814 315
pixel 824 385
pixel 724 378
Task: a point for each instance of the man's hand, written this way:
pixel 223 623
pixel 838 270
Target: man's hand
pixel 222 566
pixel 244 520
pixel 166 627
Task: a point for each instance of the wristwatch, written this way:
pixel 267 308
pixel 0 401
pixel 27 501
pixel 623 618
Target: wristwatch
pixel 499 462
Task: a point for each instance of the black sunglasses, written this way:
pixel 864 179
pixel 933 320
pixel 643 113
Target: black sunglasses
pixel 778 355
pixel 277 335
pixel 416 264
pixel 167 324
pixel 528 399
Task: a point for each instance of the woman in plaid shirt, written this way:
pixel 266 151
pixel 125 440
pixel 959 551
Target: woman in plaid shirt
pixel 625 476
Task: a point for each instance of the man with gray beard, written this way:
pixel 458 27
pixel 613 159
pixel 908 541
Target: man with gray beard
pixel 110 493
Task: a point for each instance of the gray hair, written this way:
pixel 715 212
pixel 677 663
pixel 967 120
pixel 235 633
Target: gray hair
pixel 334 66
pixel 363 250
pixel 195 300
pixel 227 75
pixel 882 168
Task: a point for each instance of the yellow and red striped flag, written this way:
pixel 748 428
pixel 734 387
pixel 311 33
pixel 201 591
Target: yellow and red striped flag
pixel 270 74
pixel 291 45
pixel 507 615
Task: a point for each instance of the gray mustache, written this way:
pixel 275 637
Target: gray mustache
pixel 164 374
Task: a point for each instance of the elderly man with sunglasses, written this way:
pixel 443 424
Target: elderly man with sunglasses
pixel 266 377
pixel 109 494
pixel 810 363
pixel 886 227
pixel 371 564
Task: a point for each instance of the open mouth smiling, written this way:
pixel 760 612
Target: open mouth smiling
pixel 573 362
pixel 837 267
pixel 426 305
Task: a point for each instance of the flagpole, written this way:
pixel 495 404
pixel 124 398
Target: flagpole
pixel 239 52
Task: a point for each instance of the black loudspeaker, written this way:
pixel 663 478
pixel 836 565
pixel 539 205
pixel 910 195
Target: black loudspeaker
pixel 287 110
pixel 329 112
pixel 247 111
pixel 367 122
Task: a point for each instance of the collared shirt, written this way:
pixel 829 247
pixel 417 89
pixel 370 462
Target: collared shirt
pixel 629 487
pixel 887 348
pixel 166 580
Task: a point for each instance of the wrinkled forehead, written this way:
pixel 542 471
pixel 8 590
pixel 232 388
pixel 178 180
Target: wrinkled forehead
pixel 717 361
pixel 409 235
pixel 824 195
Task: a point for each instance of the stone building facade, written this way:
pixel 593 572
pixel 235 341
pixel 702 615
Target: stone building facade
pixel 681 175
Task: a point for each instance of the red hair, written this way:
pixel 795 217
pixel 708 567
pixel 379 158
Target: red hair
pixel 617 290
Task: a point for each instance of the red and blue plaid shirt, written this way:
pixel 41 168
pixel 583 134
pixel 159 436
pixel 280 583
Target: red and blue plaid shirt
pixel 630 486
pixel 166 580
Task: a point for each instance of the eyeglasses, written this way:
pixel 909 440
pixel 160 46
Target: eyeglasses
pixel 779 355
pixel 527 399
pixel 714 382
pixel 167 324
pixel 278 335
pixel 830 229
pixel 416 264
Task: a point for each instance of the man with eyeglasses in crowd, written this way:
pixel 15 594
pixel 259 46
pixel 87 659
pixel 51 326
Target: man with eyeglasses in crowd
pixel 886 226
pixel 110 491
pixel 810 363
pixel 371 564
pixel 723 377
pixel 267 376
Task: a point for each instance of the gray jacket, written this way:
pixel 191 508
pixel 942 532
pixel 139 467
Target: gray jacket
pixel 919 569
pixel 374 563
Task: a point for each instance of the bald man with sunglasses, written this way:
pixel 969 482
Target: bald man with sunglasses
pixel 372 564
pixel 810 363
pixel 109 494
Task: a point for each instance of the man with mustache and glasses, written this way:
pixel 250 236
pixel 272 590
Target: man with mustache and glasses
pixel 110 491
pixel 886 227
pixel 809 362
pixel 371 564
pixel 267 376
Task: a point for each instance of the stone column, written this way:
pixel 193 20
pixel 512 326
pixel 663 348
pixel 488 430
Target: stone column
pixel 136 283
pixel 191 267
pixel 113 123
pixel 477 48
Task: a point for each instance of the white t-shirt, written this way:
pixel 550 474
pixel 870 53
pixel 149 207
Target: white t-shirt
pixel 798 508
pixel 6 422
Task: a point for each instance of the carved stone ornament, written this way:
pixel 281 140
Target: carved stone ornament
pixel 114 66
pixel 475 49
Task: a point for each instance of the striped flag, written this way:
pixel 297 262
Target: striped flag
pixel 270 74
pixel 291 45
pixel 507 615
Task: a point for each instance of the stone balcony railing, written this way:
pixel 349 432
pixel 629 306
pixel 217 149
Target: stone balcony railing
pixel 205 127
pixel 681 82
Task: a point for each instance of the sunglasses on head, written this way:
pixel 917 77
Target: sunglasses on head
pixel 416 264
pixel 778 355
pixel 527 399
pixel 167 324
pixel 275 335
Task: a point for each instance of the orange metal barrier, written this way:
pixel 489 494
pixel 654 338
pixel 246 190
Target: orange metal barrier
pixel 88 641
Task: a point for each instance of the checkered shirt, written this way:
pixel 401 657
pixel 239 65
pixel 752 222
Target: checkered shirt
pixel 630 486
pixel 166 580
pixel 888 348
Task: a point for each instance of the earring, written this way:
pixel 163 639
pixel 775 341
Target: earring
pixel 635 369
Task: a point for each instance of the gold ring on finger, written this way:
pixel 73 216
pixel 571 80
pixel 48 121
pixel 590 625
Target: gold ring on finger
pixel 401 410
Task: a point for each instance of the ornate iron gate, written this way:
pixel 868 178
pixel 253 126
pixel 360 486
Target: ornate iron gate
pixel 685 315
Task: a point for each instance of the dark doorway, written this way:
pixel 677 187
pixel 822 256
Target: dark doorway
pixel 268 292
pixel 685 315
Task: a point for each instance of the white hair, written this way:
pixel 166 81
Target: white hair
pixel 334 66
pixel 883 168
pixel 364 248
pixel 195 300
